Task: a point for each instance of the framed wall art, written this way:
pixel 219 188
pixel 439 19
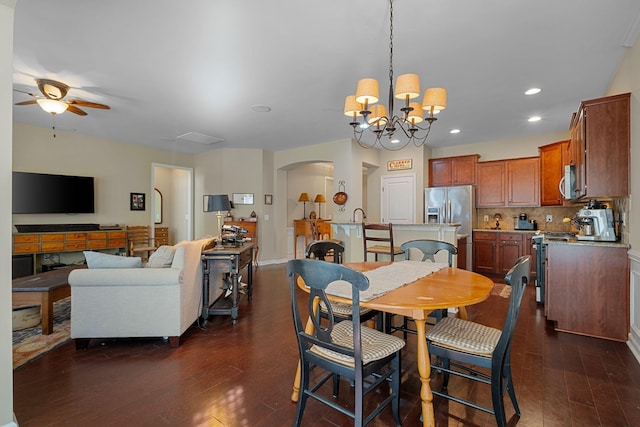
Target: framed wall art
pixel 242 198
pixel 268 199
pixel 137 201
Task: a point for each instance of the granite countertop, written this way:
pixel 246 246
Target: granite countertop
pixel 493 230
pixel 575 241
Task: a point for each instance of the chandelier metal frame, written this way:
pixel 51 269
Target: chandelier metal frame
pixel 385 126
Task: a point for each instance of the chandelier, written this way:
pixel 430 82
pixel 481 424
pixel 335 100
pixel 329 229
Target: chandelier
pixel 415 119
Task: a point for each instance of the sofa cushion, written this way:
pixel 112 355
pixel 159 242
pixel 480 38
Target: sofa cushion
pixel 161 257
pixel 102 260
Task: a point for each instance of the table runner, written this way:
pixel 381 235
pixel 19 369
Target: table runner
pixel 387 278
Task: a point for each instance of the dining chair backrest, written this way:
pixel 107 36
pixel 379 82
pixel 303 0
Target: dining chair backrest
pixel 373 234
pixel 317 276
pixel 320 248
pixel 429 249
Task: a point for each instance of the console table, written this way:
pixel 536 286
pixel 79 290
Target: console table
pixel 227 260
pixel 310 229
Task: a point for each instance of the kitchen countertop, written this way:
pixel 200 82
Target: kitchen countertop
pixel 575 241
pixel 493 230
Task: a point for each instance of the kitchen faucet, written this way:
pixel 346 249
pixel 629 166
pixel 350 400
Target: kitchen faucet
pixel 364 216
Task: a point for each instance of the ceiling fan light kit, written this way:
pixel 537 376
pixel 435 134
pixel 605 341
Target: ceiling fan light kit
pixel 383 125
pixel 52 106
pixel 53 103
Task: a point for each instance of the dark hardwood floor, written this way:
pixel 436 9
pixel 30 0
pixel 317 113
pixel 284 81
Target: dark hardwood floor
pixel 241 375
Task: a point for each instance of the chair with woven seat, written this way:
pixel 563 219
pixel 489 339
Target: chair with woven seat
pixel 319 250
pixel 381 238
pixel 424 250
pixel 460 346
pixel 369 359
pixel 140 241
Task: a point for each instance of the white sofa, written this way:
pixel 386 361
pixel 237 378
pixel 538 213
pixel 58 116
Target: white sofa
pixel 138 302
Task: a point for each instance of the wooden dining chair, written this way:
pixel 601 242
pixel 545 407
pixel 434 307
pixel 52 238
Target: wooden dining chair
pixel 366 357
pixel 461 347
pixel 334 249
pixel 423 250
pixel 140 241
pixel 378 239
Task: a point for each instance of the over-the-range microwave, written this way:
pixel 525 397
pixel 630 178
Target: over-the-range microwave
pixel 567 184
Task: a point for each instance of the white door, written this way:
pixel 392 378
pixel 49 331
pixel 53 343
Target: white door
pixel 398 199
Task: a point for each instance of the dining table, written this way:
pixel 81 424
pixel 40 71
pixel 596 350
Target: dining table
pixel 448 287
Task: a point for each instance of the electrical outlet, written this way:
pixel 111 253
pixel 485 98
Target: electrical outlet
pixel 549 218
pixel 486 218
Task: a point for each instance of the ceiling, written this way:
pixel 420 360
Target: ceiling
pixel 168 68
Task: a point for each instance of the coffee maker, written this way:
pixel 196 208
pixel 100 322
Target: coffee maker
pixel 596 223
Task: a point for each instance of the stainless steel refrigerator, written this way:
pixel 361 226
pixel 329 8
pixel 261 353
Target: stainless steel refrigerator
pixel 453 205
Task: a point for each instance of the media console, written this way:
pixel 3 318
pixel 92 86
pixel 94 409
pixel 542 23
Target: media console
pixel 54 238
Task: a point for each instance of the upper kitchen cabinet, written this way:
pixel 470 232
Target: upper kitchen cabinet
pixel 553 157
pixel 448 171
pixel 512 182
pixel 599 147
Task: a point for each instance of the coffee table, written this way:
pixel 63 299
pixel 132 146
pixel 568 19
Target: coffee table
pixel 43 289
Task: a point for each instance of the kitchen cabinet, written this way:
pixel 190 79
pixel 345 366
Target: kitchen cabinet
pixel 462 252
pixel 511 182
pixel 553 157
pixel 587 290
pixel 485 252
pixel 448 171
pixel 495 252
pixel 510 249
pixel 599 147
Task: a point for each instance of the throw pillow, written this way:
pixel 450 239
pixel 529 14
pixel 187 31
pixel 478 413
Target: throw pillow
pixel 102 260
pixel 162 257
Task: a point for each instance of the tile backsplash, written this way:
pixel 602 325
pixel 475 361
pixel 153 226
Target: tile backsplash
pixel 539 214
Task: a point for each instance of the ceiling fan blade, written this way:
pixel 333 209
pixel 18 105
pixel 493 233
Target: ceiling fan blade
pixel 76 110
pixel 33 101
pixel 28 93
pixel 82 103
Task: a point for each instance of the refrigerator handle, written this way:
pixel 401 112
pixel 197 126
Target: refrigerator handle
pixel 449 212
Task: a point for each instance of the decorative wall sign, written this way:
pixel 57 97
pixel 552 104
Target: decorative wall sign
pixel 137 201
pixel 396 165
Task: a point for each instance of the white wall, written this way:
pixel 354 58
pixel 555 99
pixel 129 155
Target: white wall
pixel 118 168
pixel 6 98
pixel 627 79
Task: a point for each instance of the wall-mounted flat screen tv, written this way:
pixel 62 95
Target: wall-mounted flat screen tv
pixel 39 193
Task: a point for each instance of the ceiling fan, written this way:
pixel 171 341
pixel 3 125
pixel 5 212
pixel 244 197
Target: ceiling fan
pixel 53 102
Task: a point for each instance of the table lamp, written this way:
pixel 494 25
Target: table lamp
pixel 218 203
pixel 304 198
pixel 319 199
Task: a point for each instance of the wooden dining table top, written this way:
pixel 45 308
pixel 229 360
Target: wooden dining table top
pixel 449 287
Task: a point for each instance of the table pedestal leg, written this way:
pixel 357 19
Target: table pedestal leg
pixel 424 369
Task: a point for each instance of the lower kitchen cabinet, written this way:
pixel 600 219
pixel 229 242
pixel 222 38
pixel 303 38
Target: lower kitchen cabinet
pixel 587 290
pixel 495 252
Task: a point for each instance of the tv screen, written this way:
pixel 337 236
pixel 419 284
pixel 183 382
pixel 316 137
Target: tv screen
pixel 39 193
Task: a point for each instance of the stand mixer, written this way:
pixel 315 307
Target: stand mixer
pixel 595 222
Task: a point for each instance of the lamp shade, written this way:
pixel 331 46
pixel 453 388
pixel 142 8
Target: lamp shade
pixel 304 197
pixel 218 203
pixel 407 85
pixel 351 106
pixel 415 115
pixel 319 199
pixel 435 98
pixel 378 115
pixel 52 106
pixel 367 91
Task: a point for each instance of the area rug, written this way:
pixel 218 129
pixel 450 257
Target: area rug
pixel 501 290
pixel 29 343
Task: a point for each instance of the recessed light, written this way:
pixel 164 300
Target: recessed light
pixel 533 91
pixel 259 108
pixel 454 131
pixel 535 119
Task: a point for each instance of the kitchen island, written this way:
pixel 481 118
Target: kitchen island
pixel 351 234
pixel 587 288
